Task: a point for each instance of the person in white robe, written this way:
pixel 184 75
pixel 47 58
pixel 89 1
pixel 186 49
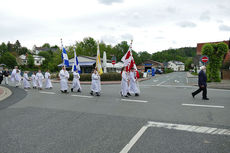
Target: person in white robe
pixel 13 75
pixel 26 80
pixel 133 88
pixel 95 84
pixel 34 80
pixel 48 81
pixel 40 78
pixel 76 82
pixel 64 76
pixel 124 83
pixel 18 78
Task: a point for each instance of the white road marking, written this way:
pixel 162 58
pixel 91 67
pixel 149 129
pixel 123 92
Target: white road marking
pixel 82 96
pixel 155 80
pixel 176 81
pixel 187 80
pixel 190 128
pixel 51 93
pixel 161 83
pixel 180 127
pixel 134 140
pixel 131 100
pixel 196 105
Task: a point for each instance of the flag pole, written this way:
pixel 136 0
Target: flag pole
pixel 62 52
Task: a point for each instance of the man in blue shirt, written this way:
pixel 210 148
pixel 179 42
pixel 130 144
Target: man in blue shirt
pixel 202 79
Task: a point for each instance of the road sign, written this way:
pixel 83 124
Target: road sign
pixel 113 62
pixel 204 59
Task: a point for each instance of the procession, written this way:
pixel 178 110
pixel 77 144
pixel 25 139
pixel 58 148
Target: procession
pixel 41 81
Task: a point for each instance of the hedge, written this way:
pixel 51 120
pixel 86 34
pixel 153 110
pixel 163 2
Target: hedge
pixel 113 76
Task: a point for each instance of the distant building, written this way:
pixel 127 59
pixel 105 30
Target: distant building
pixel 149 64
pixel 37 50
pixel 86 63
pixel 22 60
pixel 176 65
pixel 38 60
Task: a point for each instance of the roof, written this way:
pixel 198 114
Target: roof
pixel 45 49
pixel 177 62
pixel 152 62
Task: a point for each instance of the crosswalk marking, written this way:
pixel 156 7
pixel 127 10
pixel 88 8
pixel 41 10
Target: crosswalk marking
pixel 180 127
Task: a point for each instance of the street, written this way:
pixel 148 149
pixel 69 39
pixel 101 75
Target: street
pixel 165 118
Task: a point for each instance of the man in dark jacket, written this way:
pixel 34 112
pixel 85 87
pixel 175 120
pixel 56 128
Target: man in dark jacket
pixel 202 79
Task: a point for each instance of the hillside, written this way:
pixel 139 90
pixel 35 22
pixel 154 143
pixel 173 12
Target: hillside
pixel 180 54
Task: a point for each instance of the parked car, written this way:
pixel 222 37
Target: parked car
pixel 159 71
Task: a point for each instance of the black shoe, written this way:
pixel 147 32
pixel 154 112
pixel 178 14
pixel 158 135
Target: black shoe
pixel 71 89
pixel 205 98
pixel 91 93
pixel 62 91
pixel 128 94
pixel 136 94
pixel 193 95
pixel 97 94
pixel 78 90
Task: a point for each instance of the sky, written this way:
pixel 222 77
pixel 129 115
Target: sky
pixel 153 25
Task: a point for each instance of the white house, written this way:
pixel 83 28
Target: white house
pixel 176 65
pixel 37 60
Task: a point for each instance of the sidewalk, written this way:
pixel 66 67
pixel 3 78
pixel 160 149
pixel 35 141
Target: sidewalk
pixel 102 82
pixel 224 84
pixel 4 93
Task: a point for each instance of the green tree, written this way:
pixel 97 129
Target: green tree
pixel 17 46
pixel 30 61
pixel 3 48
pixel 23 50
pixel 46 45
pixel 215 53
pixel 8 59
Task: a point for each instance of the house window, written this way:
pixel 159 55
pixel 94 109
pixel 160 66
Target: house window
pixel 37 62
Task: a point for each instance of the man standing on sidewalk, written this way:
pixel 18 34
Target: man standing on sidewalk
pixel 202 82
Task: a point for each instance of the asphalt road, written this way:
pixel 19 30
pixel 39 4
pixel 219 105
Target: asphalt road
pixel 164 118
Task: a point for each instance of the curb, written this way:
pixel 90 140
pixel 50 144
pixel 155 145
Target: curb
pixel 102 82
pixel 4 93
pixel 189 75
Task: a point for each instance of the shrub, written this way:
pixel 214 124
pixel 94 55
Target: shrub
pixel 168 70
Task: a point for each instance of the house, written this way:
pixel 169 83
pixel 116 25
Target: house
pixel 37 50
pixel 176 65
pixel 86 63
pixel 22 60
pixel 38 60
pixel 149 64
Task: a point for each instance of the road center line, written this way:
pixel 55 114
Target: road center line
pixel 82 96
pixel 131 100
pixel 51 93
pixel 134 140
pixel 196 105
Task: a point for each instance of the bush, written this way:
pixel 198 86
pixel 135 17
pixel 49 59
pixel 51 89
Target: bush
pixel 168 70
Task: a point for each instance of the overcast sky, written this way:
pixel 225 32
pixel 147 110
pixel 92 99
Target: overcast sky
pixel 153 25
